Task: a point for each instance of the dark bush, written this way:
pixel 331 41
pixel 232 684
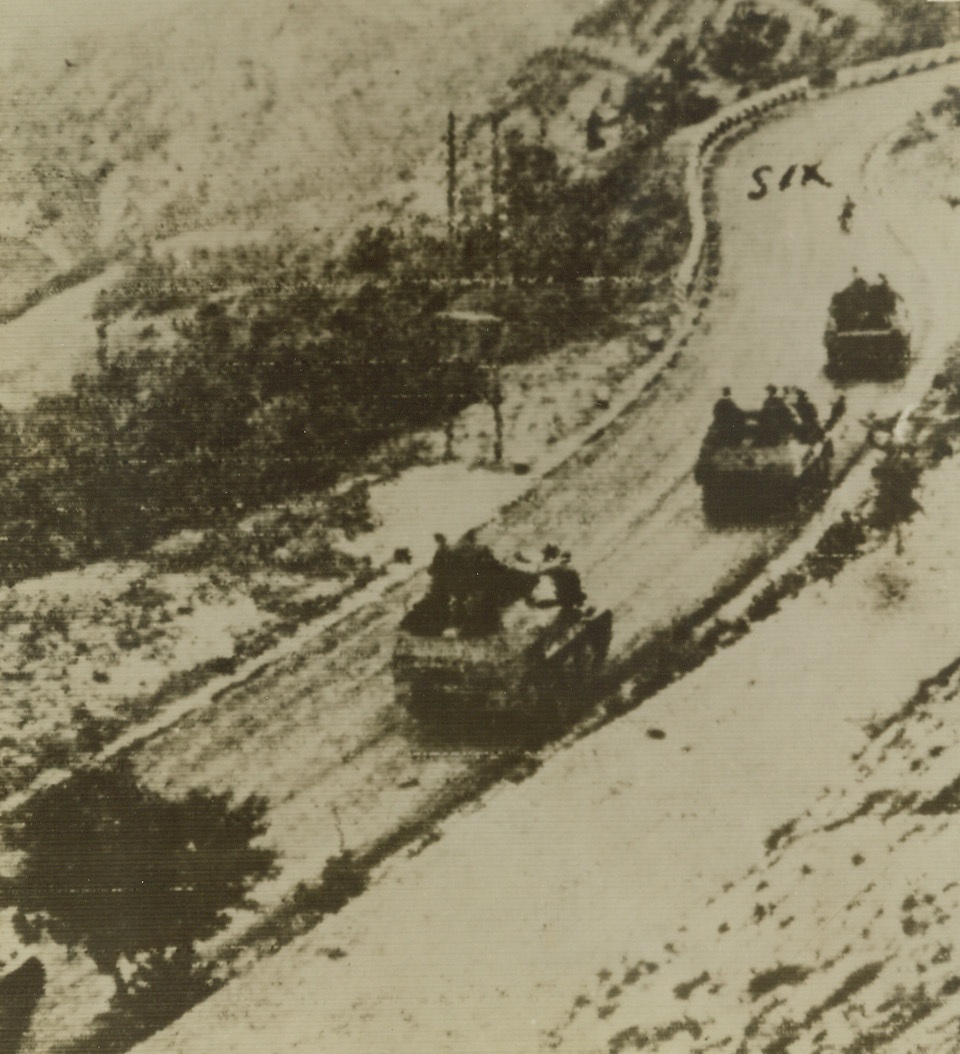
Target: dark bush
pixel 748 44
pixel 897 477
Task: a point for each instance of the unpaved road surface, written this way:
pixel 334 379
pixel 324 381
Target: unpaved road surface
pixel 320 732
pixel 319 735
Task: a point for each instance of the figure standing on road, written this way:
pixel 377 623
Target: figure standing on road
pixel 808 430
pixel 567 586
pixel 846 214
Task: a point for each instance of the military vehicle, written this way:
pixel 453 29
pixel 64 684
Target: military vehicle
pixel 496 643
pixel 867 337
pixel 766 462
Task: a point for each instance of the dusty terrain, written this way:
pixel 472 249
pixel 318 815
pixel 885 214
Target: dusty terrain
pixel 210 125
pixel 576 871
pixel 219 124
pixel 578 932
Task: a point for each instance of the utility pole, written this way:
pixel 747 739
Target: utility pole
pixel 496 189
pixel 448 433
pixel 451 190
pixel 496 401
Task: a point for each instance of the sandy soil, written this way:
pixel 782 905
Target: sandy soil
pixel 485 941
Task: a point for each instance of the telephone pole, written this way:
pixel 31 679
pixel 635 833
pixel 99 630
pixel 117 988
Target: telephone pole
pixel 451 190
pixel 496 189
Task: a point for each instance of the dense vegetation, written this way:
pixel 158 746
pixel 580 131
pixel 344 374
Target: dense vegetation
pixel 245 407
pixel 755 44
pixel 271 372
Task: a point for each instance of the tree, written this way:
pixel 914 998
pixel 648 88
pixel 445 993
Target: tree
pixel 681 60
pixel 120 870
pixel 749 42
pixel 919 25
pixel 668 97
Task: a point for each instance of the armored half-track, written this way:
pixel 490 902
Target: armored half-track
pixel 867 336
pixel 763 463
pixel 495 644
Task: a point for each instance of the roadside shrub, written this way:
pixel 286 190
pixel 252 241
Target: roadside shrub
pixel 344 877
pixel 917 132
pixel 93 733
pixel 897 477
pixel 163 984
pixel 838 544
pixel 765 603
pixel 823 77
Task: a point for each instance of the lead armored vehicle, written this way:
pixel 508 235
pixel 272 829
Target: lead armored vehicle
pixel 498 643
pixel 867 335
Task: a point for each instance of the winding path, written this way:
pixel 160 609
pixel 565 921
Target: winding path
pixel 319 734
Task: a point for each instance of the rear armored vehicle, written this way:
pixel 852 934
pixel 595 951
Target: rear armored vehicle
pixel 499 642
pixel 867 336
pixel 766 462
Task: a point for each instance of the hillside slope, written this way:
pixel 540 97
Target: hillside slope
pixel 839 935
pixel 256 116
pixel 232 112
pixel 572 911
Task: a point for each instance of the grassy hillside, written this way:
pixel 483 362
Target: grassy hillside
pixel 249 114
pixel 256 116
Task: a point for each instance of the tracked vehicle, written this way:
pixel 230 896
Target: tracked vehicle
pixel 764 463
pixel 498 644
pixel 867 336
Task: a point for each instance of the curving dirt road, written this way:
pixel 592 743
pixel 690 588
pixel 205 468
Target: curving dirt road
pixel 322 731
pixel 319 735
